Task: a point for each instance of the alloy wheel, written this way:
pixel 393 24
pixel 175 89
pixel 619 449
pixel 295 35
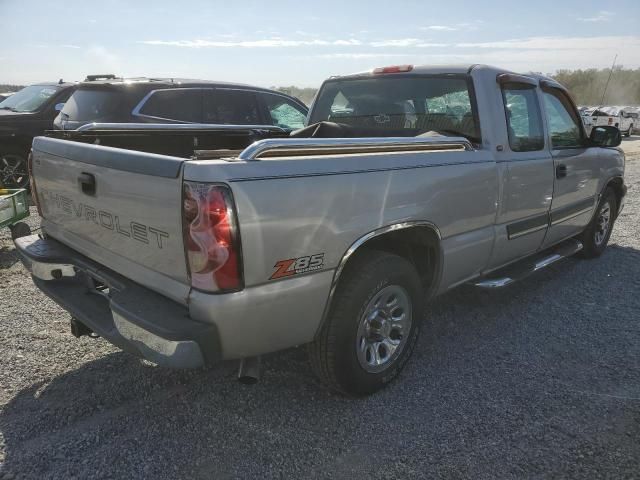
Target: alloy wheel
pixel 384 328
pixel 603 223
pixel 13 171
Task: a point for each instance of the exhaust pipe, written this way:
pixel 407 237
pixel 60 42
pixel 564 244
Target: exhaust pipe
pixel 250 370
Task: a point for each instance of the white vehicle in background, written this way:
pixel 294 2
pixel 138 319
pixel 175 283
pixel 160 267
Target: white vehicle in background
pixel 630 116
pixel 600 116
pixel 624 119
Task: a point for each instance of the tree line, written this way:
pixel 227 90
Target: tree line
pixel 588 86
pixel 4 87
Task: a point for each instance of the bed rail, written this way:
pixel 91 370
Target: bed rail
pixel 290 147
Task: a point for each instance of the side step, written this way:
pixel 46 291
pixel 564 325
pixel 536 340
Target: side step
pixel 517 271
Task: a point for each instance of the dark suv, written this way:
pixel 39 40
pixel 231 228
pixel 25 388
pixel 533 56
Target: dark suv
pixel 24 115
pixel 149 100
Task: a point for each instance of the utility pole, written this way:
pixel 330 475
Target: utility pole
pixel 608 80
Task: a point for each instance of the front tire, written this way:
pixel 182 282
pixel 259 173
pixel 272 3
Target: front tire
pixel 13 169
pixel 628 134
pixel 596 236
pixel 372 326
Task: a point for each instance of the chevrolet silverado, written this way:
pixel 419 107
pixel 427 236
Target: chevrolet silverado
pixel 407 182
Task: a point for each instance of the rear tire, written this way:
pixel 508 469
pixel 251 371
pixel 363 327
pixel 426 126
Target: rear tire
pixel 372 326
pixel 596 236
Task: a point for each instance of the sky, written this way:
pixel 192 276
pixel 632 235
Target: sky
pixel 281 42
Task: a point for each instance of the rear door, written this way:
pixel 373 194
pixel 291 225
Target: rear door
pixel 525 171
pixel 179 105
pixel 576 169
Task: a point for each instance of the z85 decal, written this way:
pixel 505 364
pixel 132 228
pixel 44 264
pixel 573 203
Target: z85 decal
pixel 295 266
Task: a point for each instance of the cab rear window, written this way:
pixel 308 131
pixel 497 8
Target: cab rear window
pixel 412 104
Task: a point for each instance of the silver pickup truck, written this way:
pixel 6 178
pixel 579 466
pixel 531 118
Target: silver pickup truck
pixel 407 182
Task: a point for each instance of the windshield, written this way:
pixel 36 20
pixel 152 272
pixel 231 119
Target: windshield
pixel 29 99
pixel 411 105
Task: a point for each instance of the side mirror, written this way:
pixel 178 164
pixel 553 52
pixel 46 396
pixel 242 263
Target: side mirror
pixel 58 107
pixel 605 136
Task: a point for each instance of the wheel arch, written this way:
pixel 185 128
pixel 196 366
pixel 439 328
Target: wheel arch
pixel 618 187
pixel 417 241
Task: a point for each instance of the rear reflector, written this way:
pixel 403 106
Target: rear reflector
pixel 211 237
pixel 394 69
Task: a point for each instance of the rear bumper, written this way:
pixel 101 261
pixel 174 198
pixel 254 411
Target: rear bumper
pixel 123 312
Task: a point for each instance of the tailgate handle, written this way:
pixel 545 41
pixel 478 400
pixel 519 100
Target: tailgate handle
pixel 88 183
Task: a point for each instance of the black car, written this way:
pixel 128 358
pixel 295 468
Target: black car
pixel 24 115
pixel 167 100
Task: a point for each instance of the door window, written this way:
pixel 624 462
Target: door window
pixel 232 107
pixel 564 126
pixel 181 104
pixel 285 113
pixel 524 120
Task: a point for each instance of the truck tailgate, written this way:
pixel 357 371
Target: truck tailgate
pixel 118 207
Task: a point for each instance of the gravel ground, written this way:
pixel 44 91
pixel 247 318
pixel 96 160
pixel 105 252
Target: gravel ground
pixel 540 380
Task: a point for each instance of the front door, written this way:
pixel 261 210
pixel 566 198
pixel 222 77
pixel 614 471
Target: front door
pixel 576 169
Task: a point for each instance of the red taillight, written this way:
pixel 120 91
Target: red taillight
pixel 32 182
pixel 610 120
pixel 394 69
pixel 211 239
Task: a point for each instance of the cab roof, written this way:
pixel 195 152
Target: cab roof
pixel 429 69
pixel 455 69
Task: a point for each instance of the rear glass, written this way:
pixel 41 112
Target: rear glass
pixel 412 104
pixel 91 105
pixel 181 104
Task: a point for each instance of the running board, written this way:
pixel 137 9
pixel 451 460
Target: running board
pixel 517 271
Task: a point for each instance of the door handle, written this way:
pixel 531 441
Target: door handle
pixel 87 183
pixel 561 171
